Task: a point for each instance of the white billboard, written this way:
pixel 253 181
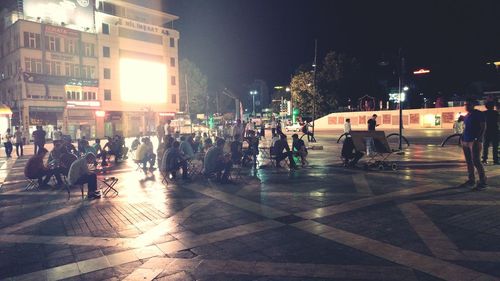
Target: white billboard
pixel 79 13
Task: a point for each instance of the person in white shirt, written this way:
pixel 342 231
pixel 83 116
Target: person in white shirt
pixel 273 127
pixel 57 135
pixel 237 129
pixel 79 174
pixel 347 126
pixel 250 127
pixel 19 142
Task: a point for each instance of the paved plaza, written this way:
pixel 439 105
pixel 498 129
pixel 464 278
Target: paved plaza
pixel 320 222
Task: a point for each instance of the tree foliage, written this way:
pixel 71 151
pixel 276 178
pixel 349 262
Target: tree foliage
pixel 337 80
pixel 197 87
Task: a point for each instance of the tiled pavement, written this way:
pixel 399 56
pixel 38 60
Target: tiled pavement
pixel 321 222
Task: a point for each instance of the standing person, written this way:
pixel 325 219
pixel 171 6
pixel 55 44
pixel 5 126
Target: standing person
pixel 491 134
pixel 249 127
pixel 169 130
pixel 78 134
pixel 39 138
pixel 57 134
pixel 273 126
pixel 279 130
pixel 19 142
pixel 347 126
pixel 472 139
pixel 160 132
pixel 7 143
pixel 372 123
pixel 237 129
pixel 262 130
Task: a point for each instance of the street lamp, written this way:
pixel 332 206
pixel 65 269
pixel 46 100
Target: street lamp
pixel 253 93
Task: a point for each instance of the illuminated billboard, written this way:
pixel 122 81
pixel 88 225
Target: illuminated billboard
pixel 78 13
pixel 143 81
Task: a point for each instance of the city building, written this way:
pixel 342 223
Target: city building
pixel 98 69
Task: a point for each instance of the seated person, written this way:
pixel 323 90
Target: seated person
pixel 144 153
pixel 277 150
pixel 114 146
pixel 83 143
pixel 79 174
pixel 135 143
pixel 69 147
pixel 236 150
pixel 349 153
pixel 37 169
pixel 172 161
pixel 299 148
pixel 186 148
pixel 216 162
pixel 250 154
pixel 98 151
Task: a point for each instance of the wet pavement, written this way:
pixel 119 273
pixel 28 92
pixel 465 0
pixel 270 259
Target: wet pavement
pixel 320 222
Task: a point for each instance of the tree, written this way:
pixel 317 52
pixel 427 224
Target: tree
pixel 302 93
pixel 197 86
pixel 337 79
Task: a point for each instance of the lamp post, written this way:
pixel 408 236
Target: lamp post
pixel 253 93
pixel 400 80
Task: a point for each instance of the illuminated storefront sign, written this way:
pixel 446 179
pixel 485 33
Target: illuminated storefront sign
pixel 83 103
pixel 61 31
pixel 79 13
pixel 142 26
pixel 58 80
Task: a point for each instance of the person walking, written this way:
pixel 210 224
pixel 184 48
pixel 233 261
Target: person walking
pixel 372 123
pixel 39 138
pixel 347 126
pixel 7 143
pixel 491 134
pixel 18 141
pixel 57 135
pixel 472 139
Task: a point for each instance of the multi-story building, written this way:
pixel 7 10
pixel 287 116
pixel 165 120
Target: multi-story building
pixel 110 69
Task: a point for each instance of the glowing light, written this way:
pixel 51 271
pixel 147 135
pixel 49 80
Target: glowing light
pixel 406 88
pixel 100 113
pixel 143 81
pixel 429 118
pixel 421 71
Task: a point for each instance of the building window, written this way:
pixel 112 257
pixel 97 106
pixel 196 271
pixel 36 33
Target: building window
pixel 172 42
pixel 107 94
pixel 173 81
pixel 106 52
pixel 88 49
pixel 9 70
pixel 68 69
pixel 33 65
pixel 16 40
pixel 76 70
pixel 107 73
pixel 53 43
pixel 172 62
pixel 70 46
pixel 105 28
pixel 32 40
pixel 174 99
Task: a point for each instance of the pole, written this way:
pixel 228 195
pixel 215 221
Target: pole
pixel 187 94
pixel 400 147
pixel 253 105
pixel 314 85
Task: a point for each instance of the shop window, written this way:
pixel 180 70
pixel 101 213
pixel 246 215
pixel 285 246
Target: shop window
pixel 68 95
pixel 106 52
pixel 85 96
pixel 107 94
pixel 107 73
pixel 105 28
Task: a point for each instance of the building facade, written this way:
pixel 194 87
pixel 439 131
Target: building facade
pixel 115 72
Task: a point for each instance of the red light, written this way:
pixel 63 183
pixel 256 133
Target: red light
pixel 421 71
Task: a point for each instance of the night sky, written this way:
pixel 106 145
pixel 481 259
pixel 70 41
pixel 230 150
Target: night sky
pixel 236 41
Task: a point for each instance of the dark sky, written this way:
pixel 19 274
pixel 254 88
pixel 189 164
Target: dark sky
pixel 236 41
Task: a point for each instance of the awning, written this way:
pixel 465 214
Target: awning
pixel 5 110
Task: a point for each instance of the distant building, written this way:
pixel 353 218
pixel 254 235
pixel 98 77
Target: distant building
pixel 106 69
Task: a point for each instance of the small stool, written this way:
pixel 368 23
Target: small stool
pixel 109 183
